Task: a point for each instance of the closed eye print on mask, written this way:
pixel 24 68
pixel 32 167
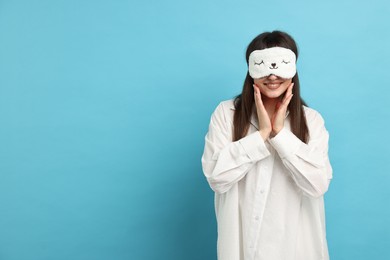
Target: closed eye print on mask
pixel 287 62
pixel 262 62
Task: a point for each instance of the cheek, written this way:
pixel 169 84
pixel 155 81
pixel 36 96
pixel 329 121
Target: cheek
pixel 259 81
pixel 284 86
pixel 287 83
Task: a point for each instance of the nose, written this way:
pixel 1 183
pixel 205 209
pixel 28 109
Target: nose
pixel 272 77
pixel 273 64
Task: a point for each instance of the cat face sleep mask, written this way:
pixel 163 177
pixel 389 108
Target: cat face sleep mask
pixel 276 60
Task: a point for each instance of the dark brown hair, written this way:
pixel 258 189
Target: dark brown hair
pixel 245 104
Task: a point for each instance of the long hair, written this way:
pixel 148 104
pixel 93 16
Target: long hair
pixel 245 104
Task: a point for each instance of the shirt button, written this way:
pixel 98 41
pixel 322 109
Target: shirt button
pixel 257 217
pixel 261 191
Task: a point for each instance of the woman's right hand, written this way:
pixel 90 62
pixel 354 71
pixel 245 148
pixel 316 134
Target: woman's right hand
pixel 265 126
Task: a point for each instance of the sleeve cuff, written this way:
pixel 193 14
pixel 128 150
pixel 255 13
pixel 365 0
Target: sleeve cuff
pixel 285 143
pixel 254 146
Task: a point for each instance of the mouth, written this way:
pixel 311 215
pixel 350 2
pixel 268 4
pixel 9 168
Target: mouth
pixel 273 85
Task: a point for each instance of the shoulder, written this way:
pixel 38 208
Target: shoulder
pixel 224 111
pixel 315 123
pixel 226 105
pixel 313 116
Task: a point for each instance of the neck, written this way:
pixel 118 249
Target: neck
pixel 270 104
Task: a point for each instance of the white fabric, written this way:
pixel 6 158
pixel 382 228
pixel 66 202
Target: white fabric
pixel 268 195
pixel 276 60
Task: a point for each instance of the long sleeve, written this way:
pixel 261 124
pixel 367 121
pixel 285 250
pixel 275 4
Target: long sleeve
pixel 225 162
pixel 308 163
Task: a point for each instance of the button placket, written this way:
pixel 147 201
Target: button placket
pixel 263 184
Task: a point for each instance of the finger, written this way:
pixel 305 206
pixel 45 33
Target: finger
pixel 290 88
pixel 285 97
pixel 287 93
pixel 288 100
pixel 285 102
pixel 256 88
pixel 257 93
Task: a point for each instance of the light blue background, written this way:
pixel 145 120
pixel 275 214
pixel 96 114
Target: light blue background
pixel 104 106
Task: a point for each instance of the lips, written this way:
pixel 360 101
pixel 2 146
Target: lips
pixel 273 85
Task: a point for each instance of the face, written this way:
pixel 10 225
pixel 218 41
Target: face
pixel 272 86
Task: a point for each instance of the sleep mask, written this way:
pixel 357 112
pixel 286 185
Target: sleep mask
pixel 276 60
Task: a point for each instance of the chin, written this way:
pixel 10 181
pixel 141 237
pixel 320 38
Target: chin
pixel 272 94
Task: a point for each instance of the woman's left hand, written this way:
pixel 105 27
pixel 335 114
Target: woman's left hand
pixel 280 111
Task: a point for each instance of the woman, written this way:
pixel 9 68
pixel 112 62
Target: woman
pixel 266 159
